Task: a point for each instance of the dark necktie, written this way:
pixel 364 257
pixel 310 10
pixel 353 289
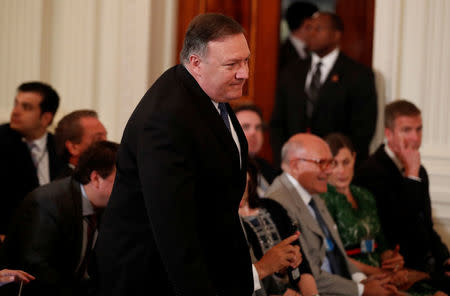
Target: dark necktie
pixel 314 88
pixel 224 113
pixel 337 261
pixel 91 228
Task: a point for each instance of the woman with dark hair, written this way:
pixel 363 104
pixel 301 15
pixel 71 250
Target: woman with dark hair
pixel 354 210
pixel 266 224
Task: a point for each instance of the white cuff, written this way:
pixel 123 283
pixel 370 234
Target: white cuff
pixel 256 283
pixel 358 277
pixel 414 178
pixel 360 289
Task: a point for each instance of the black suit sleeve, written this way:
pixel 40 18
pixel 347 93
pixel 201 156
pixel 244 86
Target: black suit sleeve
pixel 168 175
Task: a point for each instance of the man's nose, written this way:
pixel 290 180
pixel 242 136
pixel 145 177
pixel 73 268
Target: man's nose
pixel 242 72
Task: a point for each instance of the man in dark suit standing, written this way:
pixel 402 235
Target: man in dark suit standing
pixel 331 93
pixel 298 17
pixel 172 226
pixel 27 154
pixel 54 231
pixel 400 184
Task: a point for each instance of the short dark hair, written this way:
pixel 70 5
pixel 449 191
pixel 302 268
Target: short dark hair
pixel 204 28
pixel 99 157
pixel 250 107
pixel 336 21
pixel 297 13
pixel 50 98
pixel 396 109
pixel 70 129
pixel 337 141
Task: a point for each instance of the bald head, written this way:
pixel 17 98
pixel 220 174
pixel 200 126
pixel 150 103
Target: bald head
pixel 308 159
pixel 300 145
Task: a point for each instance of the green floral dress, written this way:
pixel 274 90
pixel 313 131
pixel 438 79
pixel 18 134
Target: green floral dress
pixel 356 225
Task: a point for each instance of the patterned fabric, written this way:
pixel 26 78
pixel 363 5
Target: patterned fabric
pixel 267 234
pixel 356 225
pixel 264 228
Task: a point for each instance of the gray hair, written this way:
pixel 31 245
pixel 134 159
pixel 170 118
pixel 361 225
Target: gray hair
pixel 205 28
pixel 289 149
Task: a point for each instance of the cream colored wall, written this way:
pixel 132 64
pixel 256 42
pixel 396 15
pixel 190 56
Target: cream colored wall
pixel 101 54
pixel 412 61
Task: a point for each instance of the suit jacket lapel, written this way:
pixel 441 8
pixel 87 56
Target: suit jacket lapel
pixel 302 209
pixel 208 111
pixel 329 222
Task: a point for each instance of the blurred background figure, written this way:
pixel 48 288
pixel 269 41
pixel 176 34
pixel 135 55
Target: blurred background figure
pixel 354 210
pixel 395 175
pixel 298 17
pixel 74 133
pixel 250 117
pixel 268 228
pixel 27 153
pixel 54 231
pixel 329 93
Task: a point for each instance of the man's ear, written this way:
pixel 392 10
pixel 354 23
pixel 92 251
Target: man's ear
pixel 46 118
pixel 95 179
pixel 195 63
pixel 388 134
pixel 72 148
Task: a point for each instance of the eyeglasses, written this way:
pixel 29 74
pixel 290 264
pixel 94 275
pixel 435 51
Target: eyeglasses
pixel 323 164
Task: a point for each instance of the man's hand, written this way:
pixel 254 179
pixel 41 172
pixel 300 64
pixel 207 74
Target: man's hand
pixel 280 257
pixel 399 278
pixel 8 276
pixel 409 156
pixel 392 259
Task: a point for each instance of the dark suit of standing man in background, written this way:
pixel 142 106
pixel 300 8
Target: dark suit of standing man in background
pixel 27 153
pixel 172 226
pixel 331 93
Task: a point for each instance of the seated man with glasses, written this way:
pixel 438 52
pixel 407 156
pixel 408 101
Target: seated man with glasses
pixel 307 163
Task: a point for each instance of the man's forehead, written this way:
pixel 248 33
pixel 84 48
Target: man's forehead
pixel 408 120
pixel 29 97
pixel 234 42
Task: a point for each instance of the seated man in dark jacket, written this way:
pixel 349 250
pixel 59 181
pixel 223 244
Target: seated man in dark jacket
pixel 395 176
pixel 55 229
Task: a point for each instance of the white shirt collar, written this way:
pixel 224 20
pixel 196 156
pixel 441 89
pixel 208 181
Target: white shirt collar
pixel 393 157
pixel 299 45
pixel 87 208
pixel 327 61
pixel 306 197
pixel 40 143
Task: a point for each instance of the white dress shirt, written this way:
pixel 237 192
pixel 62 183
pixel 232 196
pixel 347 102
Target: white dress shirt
pixel 327 61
